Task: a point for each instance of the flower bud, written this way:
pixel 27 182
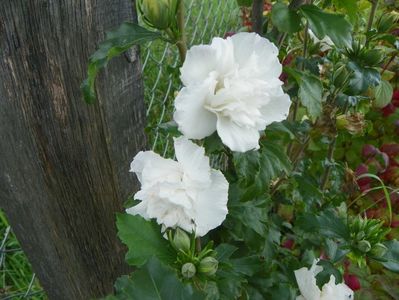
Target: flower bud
pixel 369 151
pixel 181 240
pixel 352 281
pixel 378 250
pixel 158 13
pixel 188 270
pixel 364 246
pixel 360 235
pixel 340 76
pixel 208 266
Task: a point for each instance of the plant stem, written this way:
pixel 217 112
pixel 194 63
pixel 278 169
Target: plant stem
pixel 295 163
pixel 198 244
pixel 374 5
pixel 182 40
pixel 330 157
pixel 257 16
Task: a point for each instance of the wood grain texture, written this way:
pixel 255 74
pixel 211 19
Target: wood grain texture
pixel 64 164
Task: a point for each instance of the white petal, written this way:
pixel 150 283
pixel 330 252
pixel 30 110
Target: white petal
pixel 139 209
pixel 331 291
pixel 200 62
pixel 252 52
pixel 225 61
pixel 194 121
pixel 151 168
pixel 276 109
pixel 193 160
pixel 307 281
pixel 237 138
pixel 211 204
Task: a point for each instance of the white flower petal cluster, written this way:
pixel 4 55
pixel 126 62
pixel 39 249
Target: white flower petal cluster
pixel 231 86
pixel 185 193
pixel 306 279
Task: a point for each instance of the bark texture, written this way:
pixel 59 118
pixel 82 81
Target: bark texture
pixel 64 164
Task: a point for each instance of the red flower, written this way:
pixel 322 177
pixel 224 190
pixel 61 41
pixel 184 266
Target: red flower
pixel 388 110
pixel 289 244
pixel 352 281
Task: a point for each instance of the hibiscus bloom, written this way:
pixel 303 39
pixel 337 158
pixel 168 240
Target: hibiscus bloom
pixel 185 193
pixel 306 279
pixel 231 86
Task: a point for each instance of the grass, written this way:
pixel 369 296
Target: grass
pixel 205 19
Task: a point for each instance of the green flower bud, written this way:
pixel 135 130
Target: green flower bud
pixel 208 266
pixel 188 270
pixel 340 76
pixel 378 250
pixel 181 240
pixel 160 14
pixel 364 246
pixel 360 235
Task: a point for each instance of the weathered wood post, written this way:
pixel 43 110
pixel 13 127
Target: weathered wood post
pixel 64 164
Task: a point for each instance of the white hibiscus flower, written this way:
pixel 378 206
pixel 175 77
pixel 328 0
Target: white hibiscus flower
pixel 231 86
pixel 306 279
pixel 185 193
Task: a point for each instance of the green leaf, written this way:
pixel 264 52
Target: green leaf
pixel 349 6
pixel 224 252
pixel 324 24
pixel 244 2
pixel 116 42
pixel 154 281
pixel 392 256
pixel 328 269
pixel 256 169
pixel 143 239
pixel 252 214
pixel 310 93
pixel 383 94
pixel 327 224
pixel 247 265
pixel 285 19
pixel 362 78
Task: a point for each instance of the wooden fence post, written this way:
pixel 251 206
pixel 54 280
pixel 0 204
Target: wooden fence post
pixel 64 164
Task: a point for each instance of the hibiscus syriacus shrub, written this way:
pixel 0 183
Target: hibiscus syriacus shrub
pixel 284 182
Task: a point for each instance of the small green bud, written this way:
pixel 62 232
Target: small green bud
pixel 181 240
pixel 340 76
pixel 188 270
pixel 364 246
pixel 360 235
pixel 159 14
pixel 378 250
pixel 208 266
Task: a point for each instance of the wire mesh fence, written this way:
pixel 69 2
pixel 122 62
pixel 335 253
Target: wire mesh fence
pixel 204 20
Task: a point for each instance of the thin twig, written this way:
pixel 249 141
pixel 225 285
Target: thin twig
pixel 374 5
pixel 257 16
pixel 182 41
pixel 327 170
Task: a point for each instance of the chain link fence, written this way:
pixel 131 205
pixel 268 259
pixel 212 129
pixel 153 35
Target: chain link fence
pixel 160 61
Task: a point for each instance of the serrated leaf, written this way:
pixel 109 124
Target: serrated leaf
pixel 328 224
pixel 285 19
pixel 224 252
pixel 143 239
pixel 253 214
pixel 154 281
pixel 322 24
pixel 247 265
pixel 349 6
pixel 383 94
pixel 362 78
pixel 392 256
pixel 256 169
pixel 115 43
pixel 310 93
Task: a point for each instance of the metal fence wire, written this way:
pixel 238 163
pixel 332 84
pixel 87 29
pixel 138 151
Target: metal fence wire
pixel 204 19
